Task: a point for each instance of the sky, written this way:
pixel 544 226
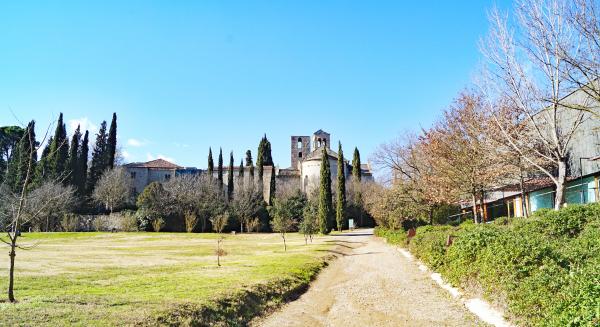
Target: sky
pixel 186 75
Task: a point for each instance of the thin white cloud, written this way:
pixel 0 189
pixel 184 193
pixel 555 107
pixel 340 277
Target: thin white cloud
pixel 136 143
pixel 151 157
pixel 84 123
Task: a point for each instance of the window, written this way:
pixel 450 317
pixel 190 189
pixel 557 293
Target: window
pixel 299 145
pixel 133 174
pixel 167 177
pixel 299 154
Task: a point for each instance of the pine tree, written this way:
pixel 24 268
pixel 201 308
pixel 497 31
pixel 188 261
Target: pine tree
pixel 111 146
pixel 272 186
pixel 230 177
pixel 59 151
pixel 356 171
pixel 341 189
pixel 27 155
pixel 10 136
pixel 325 196
pixel 73 160
pixel 241 171
pixel 250 164
pixel 211 164
pixel 82 165
pixel 98 159
pixel 220 170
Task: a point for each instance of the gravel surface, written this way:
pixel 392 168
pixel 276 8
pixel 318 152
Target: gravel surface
pixel 371 284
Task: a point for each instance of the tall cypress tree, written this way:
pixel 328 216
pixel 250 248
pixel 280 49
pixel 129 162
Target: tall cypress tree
pixel 42 168
pixel 99 162
pixel 73 160
pixel 267 158
pixel 241 170
pixel 341 189
pixel 272 186
pixel 82 165
pixel 27 156
pixel 220 170
pixel 356 172
pixel 111 146
pixel 211 164
pixel 260 163
pixel 325 196
pixel 250 164
pixel 230 177
pixel 59 151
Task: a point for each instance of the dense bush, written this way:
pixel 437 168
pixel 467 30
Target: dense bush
pixel 546 269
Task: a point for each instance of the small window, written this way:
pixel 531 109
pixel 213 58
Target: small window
pixel 299 146
pixel 299 154
pixel 133 174
pixel 167 177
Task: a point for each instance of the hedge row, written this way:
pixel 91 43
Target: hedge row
pixel 545 269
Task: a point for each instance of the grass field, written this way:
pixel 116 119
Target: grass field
pixel 104 279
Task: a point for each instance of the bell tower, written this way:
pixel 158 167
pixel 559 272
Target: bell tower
pixel 300 148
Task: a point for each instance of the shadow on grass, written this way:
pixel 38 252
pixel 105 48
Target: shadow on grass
pixel 347 254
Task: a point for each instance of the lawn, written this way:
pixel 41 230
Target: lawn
pixel 99 279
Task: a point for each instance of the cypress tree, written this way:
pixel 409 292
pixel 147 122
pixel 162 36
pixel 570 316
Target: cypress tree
pixel 73 161
pixel 260 163
pixel 241 171
pixel 230 177
pixel 272 186
pixel 250 164
pixel 98 159
pixel 325 196
pixel 268 159
pixel 59 151
pixel 341 189
pixel 211 164
pixel 356 172
pixel 111 146
pixel 26 156
pixel 42 168
pixel 82 165
pixel 220 169
pixel 10 137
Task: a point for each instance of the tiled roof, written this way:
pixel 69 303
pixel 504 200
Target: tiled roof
pixel 158 163
pixel 319 132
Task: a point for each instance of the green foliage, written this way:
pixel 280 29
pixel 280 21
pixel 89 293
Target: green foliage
pixel 325 196
pixel 250 164
pixel 153 201
pixel 73 160
pixel 392 236
pixel 230 177
pixel 10 136
pixel 356 172
pixel 211 164
pixel 341 189
pixel 98 165
pixel 111 143
pixel 26 156
pixel 545 267
pixel 309 225
pixel 59 151
pixel 82 166
pixel 220 169
pixel 272 186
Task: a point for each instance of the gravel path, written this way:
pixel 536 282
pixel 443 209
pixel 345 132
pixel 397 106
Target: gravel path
pixel 371 285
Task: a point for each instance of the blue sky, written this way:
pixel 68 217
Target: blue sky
pixel 186 75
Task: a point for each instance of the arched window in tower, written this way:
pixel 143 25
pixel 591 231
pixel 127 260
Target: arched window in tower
pixel 325 142
pixel 299 146
pixel 318 143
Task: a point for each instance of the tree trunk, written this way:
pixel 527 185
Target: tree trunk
pixel 431 215
pixel 474 204
pixel 11 273
pixel 284 245
pixel 524 205
pixel 559 200
pixel 219 252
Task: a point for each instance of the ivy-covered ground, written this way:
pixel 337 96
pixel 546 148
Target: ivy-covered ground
pixel 545 269
pixel 100 279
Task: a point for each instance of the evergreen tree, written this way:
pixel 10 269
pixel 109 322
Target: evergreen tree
pixel 241 171
pixel 111 146
pixel 272 186
pixel 82 165
pixel 356 172
pixel 250 164
pixel 260 163
pixel 220 169
pixel 268 159
pixel 26 156
pixel 42 168
pixel 10 136
pixel 73 160
pixel 211 164
pixel 341 189
pixel 98 158
pixel 230 177
pixel 59 151
pixel 325 196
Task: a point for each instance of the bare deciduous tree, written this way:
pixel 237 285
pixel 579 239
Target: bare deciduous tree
pixel 219 222
pixel 246 204
pixel 113 189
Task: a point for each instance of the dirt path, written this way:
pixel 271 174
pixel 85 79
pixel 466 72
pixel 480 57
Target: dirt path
pixel 372 285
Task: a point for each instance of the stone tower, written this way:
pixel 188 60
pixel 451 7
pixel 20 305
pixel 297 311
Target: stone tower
pixel 321 139
pixel 300 148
